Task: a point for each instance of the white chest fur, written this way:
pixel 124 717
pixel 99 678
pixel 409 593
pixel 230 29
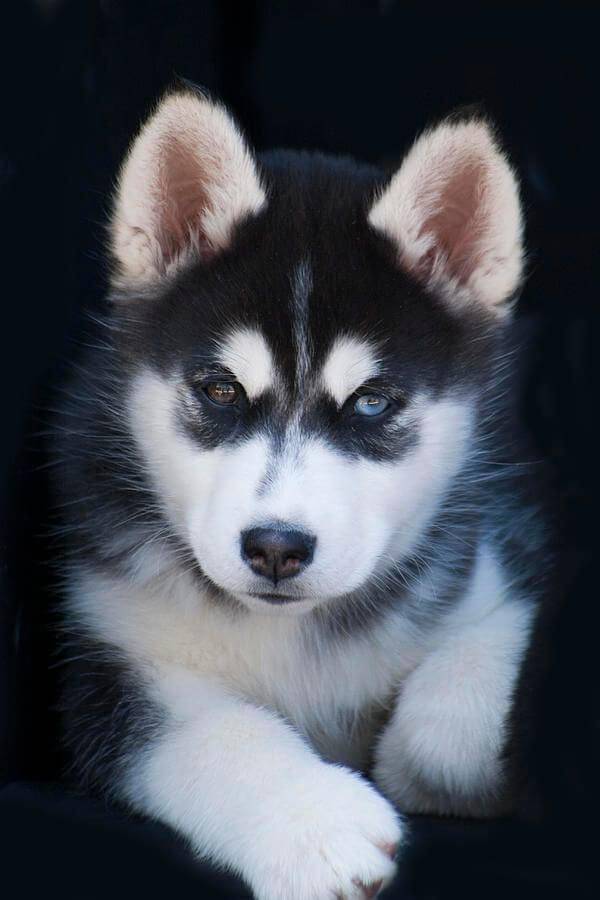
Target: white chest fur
pixel 333 690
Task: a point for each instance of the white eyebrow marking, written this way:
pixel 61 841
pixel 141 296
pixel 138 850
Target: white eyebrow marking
pixel 247 355
pixel 350 363
pixel 302 285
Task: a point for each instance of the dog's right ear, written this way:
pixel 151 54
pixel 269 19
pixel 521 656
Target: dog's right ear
pixel 188 178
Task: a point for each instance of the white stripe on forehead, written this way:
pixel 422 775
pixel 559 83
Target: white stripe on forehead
pixel 246 354
pixel 350 363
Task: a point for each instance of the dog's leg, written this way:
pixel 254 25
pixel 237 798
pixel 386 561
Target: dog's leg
pixel 441 751
pixel 249 793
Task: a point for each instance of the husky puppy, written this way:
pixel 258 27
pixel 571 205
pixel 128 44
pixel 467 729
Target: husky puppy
pixel 300 557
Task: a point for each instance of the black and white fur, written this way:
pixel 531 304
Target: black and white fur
pixel 244 712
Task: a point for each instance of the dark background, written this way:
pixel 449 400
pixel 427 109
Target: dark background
pixel 354 77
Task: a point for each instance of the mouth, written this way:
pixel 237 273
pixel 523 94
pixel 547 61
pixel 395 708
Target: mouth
pixel 276 598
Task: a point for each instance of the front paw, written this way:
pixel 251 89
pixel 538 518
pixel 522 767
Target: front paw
pixel 332 837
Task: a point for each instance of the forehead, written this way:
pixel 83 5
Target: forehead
pixel 306 287
pixel 350 362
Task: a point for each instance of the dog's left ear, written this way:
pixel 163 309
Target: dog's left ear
pixel 453 212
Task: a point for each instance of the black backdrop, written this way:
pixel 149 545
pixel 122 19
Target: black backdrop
pixel 353 77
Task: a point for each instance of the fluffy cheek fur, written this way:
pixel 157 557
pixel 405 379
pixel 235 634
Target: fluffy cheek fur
pixel 362 512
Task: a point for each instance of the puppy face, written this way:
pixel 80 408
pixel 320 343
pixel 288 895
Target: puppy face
pixel 339 497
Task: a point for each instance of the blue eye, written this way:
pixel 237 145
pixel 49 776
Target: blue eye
pixel 371 405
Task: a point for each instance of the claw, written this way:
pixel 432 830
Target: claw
pixel 389 850
pixel 371 890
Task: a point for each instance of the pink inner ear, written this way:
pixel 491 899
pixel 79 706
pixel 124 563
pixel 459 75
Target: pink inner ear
pixel 453 211
pixel 182 196
pixel 186 182
pixel 458 222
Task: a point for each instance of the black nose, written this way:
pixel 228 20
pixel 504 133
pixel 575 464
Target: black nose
pixel 277 553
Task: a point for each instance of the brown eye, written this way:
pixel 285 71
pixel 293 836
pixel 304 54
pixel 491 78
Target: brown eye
pixel 223 393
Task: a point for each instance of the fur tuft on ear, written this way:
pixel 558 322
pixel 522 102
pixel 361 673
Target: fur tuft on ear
pixel 187 180
pixel 453 211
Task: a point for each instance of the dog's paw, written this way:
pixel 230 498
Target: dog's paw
pixel 333 837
